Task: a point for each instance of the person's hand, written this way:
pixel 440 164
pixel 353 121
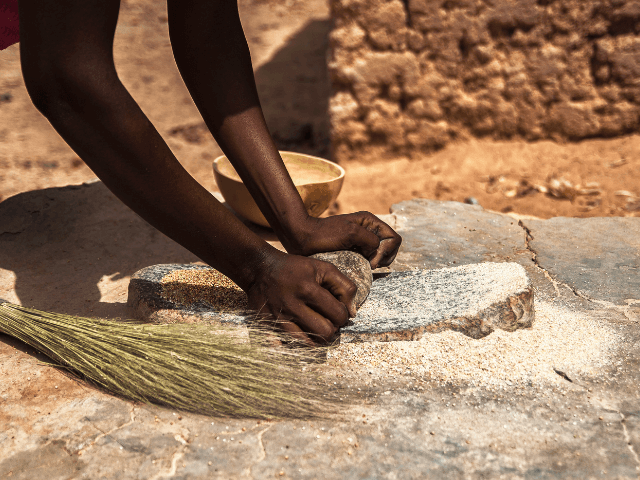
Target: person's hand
pixel 307 298
pixel 361 231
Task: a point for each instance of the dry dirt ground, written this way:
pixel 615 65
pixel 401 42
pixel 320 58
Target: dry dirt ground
pixel 288 40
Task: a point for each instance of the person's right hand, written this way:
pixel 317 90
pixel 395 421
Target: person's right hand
pixel 307 298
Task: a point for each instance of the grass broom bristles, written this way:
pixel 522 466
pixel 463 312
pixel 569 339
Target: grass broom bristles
pixel 197 368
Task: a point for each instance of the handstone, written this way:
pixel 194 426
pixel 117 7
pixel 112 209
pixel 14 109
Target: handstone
pixel 355 267
pixel 473 299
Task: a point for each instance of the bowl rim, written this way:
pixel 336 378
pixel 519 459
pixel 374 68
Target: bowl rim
pixel 333 164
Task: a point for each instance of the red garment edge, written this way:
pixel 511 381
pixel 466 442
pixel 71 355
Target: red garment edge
pixel 9 29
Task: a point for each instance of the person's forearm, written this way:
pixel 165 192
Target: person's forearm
pixel 113 136
pixel 213 57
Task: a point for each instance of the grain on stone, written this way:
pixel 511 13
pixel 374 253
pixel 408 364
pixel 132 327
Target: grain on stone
pixel 559 339
pixel 187 287
pixel 473 298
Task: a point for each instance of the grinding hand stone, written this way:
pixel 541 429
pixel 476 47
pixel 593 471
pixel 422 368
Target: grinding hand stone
pixel 355 267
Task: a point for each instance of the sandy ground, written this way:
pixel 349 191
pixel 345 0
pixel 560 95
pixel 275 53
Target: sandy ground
pixel 288 41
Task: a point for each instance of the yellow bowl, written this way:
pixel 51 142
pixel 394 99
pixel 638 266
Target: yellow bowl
pixel 319 182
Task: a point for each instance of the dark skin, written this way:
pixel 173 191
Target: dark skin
pixel 66 49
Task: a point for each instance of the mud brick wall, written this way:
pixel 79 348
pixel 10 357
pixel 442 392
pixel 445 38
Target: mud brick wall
pixel 412 75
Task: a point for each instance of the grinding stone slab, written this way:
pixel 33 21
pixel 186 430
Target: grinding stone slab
pixel 473 299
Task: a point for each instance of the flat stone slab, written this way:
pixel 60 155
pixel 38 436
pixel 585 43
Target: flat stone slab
pixel 445 234
pixel 473 299
pixel 62 249
pixel 599 257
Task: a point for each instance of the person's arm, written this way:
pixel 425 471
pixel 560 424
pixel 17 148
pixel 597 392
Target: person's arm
pixel 213 57
pixel 68 68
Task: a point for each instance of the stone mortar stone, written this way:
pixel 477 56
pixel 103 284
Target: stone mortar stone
pixel 148 304
pixel 355 267
pixel 473 299
pixel 412 76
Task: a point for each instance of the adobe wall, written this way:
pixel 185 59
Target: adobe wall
pixel 409 76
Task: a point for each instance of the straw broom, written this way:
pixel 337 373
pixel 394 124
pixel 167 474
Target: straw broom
pixel 196 368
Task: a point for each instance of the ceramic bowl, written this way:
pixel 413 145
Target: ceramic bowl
pixel 318 180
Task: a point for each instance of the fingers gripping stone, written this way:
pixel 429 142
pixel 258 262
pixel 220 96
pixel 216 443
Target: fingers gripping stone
pixel 355 267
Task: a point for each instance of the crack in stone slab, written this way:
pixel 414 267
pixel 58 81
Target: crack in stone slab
pixel 625 310
pixel 625 432
pixel 262 454
pixel 607 406
pixel 534 258
pixel 177 455
pixel 132 417
pixel 627 439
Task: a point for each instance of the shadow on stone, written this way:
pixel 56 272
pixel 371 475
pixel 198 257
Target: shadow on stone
pixel 68 246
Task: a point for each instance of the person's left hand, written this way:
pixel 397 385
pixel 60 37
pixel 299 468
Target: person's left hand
pixel 361 231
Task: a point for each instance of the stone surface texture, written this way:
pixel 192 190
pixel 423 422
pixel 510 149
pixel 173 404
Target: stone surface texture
pixel 147 302
pixel 411 75
pixel 573 251
pixel 472 299
pixel 394 425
